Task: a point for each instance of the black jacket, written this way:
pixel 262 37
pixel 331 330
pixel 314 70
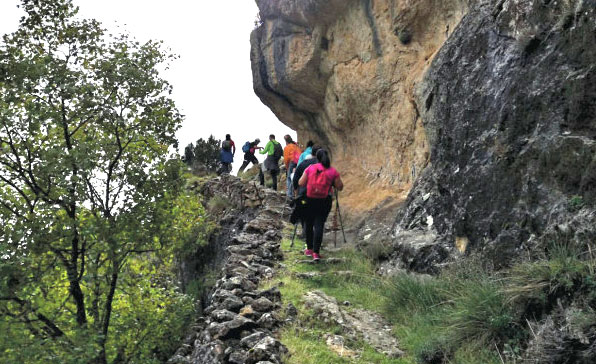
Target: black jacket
pixel 299 172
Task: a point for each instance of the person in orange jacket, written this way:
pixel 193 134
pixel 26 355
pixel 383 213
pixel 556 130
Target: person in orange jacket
pixel 291 154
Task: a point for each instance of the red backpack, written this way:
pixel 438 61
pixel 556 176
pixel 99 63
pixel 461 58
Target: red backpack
pixel 319 183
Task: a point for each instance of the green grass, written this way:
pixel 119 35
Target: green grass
pixel 418 307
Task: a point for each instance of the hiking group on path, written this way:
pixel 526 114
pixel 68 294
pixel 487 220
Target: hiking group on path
pixel 310 180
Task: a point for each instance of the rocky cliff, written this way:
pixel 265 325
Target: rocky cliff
pixel 481 112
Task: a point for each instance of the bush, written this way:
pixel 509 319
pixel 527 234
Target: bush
pixel 480 311
pixel 411 294
pixel 562 272
pixel 203 155
pixel 218 204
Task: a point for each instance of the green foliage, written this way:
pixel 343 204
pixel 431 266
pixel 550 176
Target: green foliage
pixel 480 312
pixel 576 202
pixel 218 204
pixel 93 210
pixel 203 154
pixel 412 294
pixel 564 271
pixel 376 250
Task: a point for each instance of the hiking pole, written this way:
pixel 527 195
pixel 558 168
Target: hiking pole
pixel 294 236
pixel 339 213
pixel 335 228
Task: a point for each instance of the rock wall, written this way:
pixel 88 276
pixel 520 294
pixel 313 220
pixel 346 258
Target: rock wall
pixel 482 112
pixel 343 74
pixel 510 114
pixel 239 321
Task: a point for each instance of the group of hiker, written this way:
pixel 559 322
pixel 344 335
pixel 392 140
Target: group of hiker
pixel 310 180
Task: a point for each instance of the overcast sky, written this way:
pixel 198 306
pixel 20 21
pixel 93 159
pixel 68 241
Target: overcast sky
pixel 212 79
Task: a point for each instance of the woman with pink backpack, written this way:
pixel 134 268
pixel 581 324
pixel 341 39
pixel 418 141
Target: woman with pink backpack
pixel 318 178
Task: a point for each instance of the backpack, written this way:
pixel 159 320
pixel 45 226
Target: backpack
pixel 226 145
pixel 296 157
pixel 278 151
pixel 246 147
pixel 319 183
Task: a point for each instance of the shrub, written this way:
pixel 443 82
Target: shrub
pixel 218 204
pixel 562 272
pixel 409 294
pixel 377 250
pixel 480 312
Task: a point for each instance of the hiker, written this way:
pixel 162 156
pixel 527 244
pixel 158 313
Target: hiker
pixel 306 152
pixel 226 155
pixel 291 155
pixel 310 159
pixel 228 144
pixel 318 179
pixel 300 191
pixel 249 149
pixel 274 152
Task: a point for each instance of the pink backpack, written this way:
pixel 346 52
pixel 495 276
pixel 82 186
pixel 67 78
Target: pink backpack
pixel 319 182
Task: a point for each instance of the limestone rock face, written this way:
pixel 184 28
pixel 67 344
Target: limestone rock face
pixel 509 109
pixel 342 73
pixel 481 112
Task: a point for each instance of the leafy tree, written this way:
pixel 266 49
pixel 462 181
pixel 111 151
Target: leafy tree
pixel 205 153
pixel 90 203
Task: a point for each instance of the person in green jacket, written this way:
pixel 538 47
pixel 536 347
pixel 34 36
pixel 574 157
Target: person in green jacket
pixel 274 152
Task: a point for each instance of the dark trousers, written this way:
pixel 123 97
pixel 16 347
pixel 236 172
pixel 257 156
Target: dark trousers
pixel 314 221
pixel 248 158
pixel 274 173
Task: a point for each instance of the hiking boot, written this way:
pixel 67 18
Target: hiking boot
pixel 315 256
pixel 308 253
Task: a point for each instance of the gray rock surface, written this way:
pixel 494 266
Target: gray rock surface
pixel 508 105
pixel 356 323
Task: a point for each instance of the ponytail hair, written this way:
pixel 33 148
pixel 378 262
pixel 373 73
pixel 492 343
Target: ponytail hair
pixel 323 158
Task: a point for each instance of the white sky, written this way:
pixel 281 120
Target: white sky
pixel 212 79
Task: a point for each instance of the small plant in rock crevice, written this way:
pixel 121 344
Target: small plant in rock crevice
pixel 218 204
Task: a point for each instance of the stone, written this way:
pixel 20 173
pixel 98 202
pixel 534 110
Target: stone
pixel 230 329
pixel 222 315
pixel 358 323
pixel 272 294
pixel 291 310
pixel 268 320
pixel 262 304
pixel 238 357
pixel 251 340
pixel 232 304
pixel 267 348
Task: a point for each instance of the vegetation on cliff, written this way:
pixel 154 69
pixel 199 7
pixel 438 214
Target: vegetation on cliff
pixel 93 210
pixel 466 314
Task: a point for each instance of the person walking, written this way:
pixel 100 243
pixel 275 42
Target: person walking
pixel 228 143
pixel 307 152
pixel 318 179
pixel 249 156
pixel 226 155
pixel 299 171
pixel 274 152
pixel 291 155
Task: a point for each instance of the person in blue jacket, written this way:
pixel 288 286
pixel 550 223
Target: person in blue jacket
pixel 307 152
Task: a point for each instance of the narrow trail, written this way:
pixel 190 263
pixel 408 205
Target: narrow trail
pixel 268 298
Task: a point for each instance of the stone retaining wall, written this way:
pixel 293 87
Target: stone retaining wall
pixel 240 321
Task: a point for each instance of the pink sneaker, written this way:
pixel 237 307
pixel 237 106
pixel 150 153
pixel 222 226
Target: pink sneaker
pixel 308 253
pixel 315 256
